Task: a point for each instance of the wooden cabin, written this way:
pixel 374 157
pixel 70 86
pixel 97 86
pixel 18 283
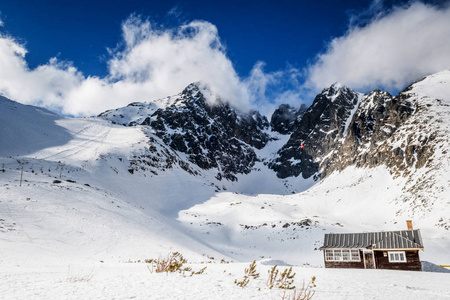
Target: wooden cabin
pixel 395 250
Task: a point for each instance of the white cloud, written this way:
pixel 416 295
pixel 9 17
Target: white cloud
pixel 259 81
pixel 164 62
pixel 47 84
pixel 269 90
pixel 150 64
pixel 390 52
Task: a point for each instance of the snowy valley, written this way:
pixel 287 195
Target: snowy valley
pixel 190 174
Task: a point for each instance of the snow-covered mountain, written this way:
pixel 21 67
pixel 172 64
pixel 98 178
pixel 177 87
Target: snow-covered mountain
pixel 197 176
pixel 285 117
pixel 211 136
pixel 320 130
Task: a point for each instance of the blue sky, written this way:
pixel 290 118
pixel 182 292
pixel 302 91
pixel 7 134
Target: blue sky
pixel 276 32
pixel 82 57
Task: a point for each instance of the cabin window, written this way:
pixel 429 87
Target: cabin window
pixel 329 256
pixel 345 255
pixel 342 255
pixel 355 255
pixel 397 256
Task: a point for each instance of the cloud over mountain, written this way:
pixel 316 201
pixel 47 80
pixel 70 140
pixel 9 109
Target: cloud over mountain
pixel 45 85
pixel 389 51
pixel 151 62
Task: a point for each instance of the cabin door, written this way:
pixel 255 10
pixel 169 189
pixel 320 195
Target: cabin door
pixel 369 262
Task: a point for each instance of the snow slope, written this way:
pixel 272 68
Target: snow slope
pixel 291 227
pixel 21 129
pixel 70 222
pixel 101 215
pixel 89 216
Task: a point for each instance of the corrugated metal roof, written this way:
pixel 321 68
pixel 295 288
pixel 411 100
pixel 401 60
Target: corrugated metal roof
pixel 403 239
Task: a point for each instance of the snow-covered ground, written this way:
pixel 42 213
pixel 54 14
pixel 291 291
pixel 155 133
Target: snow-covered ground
pixel 87 236
pixel 134 281
pixel 291 227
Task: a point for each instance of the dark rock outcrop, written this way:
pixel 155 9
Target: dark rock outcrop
pixel 285 117
pixel 369 140
pixel 341 128
pixel 319 130
pixel 211 135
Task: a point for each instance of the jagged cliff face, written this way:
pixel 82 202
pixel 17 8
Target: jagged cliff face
pixel 398 132
pixel 213 136
pixel 344 128
pixel 285 117
pixel 341 128
pixel 368 142
pixel 320 130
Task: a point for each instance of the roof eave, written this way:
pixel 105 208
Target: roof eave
pixel 398 249
pixel 373 249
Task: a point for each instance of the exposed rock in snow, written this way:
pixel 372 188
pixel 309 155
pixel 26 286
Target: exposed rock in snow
pixel 320 130
pixel 285 117
pixel 212 136
pixel 153 181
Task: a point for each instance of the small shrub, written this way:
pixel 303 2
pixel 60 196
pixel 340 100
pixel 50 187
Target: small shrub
pixel 172 263
pixel 273 273
pixel 248 272
pixel 198 272
pixel 283 281
pixel 242 283
pixel 251 271
pixel 305 293
pixel 286 280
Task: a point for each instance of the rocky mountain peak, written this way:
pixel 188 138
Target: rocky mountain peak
pixel 334 91
pixel 285 117
pixel 211 135
pixel 320 131
pixel 194 92
pixel 341 128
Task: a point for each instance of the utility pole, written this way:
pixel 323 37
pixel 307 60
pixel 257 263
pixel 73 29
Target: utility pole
pixel 21 175
pixel 60 170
